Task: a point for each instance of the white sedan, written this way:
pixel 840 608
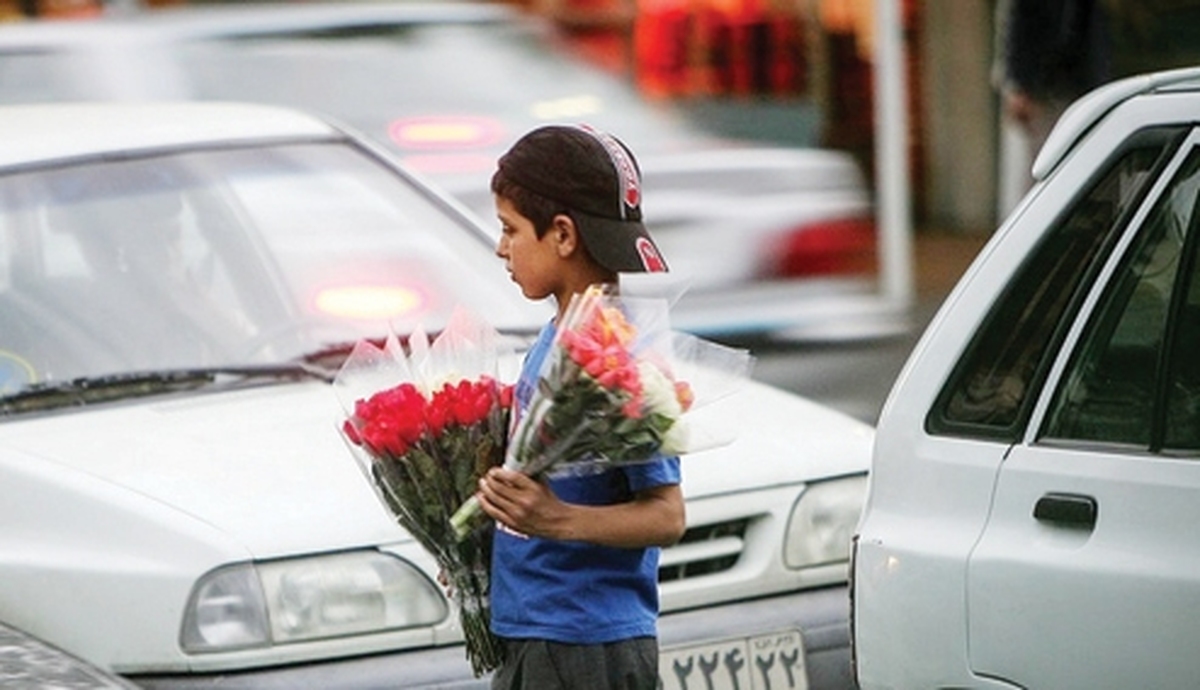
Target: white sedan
pixel 178 282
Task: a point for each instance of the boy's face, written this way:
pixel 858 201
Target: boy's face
pixel 533 263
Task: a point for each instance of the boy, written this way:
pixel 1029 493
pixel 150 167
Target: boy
pixel 574 567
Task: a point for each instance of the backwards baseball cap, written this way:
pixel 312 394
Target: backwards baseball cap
pixel 595 176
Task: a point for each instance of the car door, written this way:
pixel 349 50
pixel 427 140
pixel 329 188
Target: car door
pixel 1087 573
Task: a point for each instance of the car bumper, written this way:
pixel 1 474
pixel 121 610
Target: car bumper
pixel 820 615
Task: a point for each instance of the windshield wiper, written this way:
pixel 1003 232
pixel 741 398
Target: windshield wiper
pixel 90 390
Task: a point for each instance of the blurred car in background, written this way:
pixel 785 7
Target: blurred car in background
pixel 178 283
pixel 776 241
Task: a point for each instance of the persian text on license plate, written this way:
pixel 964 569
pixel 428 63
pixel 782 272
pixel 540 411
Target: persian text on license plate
pixel 766 662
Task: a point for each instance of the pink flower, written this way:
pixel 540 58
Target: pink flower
pixel 591 400
pixel 632 409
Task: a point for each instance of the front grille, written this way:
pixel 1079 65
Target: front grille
pixel 703 550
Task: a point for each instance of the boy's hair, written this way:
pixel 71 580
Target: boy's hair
pixel 538 209
pixel 590 176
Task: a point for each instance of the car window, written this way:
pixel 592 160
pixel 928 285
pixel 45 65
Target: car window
pixel 988 394
pixel 237 256
pixel 1124 381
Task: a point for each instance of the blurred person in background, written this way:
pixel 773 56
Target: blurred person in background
pixel 1049 52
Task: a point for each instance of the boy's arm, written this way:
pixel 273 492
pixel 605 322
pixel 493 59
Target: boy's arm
pixel 655 516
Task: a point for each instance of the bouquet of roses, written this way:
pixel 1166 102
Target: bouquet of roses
pixel 617 387
pixel 435 423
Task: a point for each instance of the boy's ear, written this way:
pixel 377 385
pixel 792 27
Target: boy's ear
pixel 565 234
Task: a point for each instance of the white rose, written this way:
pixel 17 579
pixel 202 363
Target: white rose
pixel 658 391
pixel 677 438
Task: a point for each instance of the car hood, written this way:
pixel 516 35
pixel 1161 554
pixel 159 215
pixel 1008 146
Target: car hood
pixel 268 467
pixel 776 439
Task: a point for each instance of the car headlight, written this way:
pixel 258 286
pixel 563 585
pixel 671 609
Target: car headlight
pixel 822 522
pixel 260 604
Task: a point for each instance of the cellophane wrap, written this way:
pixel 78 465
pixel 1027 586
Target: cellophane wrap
pixel 424 422
pixel 619 386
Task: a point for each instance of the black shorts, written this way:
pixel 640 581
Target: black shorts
pixel 544 665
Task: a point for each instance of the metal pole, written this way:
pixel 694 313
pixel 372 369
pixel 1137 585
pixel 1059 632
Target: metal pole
pixel 893 207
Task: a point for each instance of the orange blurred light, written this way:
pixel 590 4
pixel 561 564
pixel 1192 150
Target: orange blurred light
pixel 444 132
pixel 369 301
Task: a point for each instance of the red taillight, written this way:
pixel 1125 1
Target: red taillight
pixel 447 144
pixel 445 132
pixel 845 246
pixel 369 302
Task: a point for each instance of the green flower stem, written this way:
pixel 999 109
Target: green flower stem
pixel 464 516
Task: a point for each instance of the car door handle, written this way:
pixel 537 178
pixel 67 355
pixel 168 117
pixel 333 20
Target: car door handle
pixel 1068 510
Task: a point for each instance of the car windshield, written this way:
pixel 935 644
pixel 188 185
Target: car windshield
pixel 245 256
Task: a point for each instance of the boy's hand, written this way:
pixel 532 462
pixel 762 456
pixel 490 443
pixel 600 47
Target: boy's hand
pixel 654 517
pixel 521 503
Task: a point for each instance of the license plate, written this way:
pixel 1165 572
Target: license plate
pixel 773 661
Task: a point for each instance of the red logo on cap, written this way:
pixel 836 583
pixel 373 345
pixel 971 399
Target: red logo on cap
pixel 627 174
pixel 652 261
pixel 630 190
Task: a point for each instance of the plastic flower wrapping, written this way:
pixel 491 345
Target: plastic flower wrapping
pixel 425 425
pixel 618 386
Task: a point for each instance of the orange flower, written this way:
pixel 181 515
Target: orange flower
pixel 685 395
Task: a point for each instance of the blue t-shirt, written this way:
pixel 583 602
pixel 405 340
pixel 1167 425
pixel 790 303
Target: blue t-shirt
pixel 569 591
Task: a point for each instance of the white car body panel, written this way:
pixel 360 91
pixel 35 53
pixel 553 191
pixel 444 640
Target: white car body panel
pixel 247 455
pixel 956 584
pixel 245 466
pixel 263 474
pixel 54 133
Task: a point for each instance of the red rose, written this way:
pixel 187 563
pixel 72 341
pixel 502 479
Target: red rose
pixel 351 432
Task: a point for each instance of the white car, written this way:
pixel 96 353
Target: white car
pixel 26 662
pixel 771 240
pixel 178 283
pixel 1029 522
